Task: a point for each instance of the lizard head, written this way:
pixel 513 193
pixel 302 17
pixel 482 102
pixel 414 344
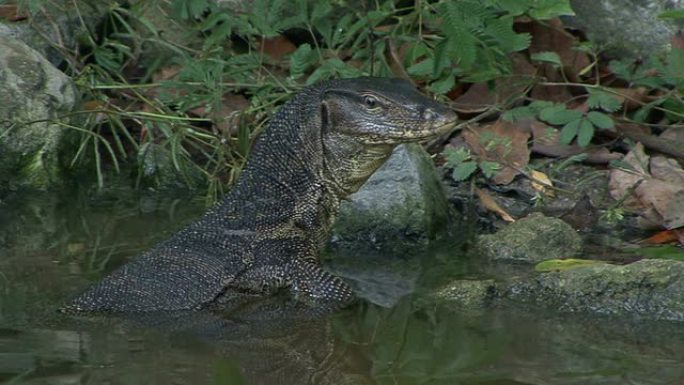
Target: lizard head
pixel 363 119
pixel 380 111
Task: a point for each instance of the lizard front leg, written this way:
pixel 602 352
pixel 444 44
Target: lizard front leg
pixel 311 284
pixel 303 279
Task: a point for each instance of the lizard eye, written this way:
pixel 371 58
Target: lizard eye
pixel 370 101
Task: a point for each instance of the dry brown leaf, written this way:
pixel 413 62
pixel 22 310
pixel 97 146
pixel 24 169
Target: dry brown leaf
pixel 583 215
pixel 678 40
pixel 541 183
pixel 631 97
pixel 502 142
pixel 10 12
pixel 551 36
pixel 489 203
pixel 661 237
pixel 166 73
pixel 667 169
pixel 674 134
pixel 395 59
pixel 225 117
pixel 277 47
pixel 556 94
pixel 659 198
pixel 680 235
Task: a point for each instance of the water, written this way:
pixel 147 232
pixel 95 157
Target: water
pixel 52 247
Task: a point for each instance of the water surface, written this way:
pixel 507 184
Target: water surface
pixel 51 247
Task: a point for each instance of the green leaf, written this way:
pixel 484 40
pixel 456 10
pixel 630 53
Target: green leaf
pixel 456 156
pixel 547 57
pixel 464 170
pixel 586 132
pixel 331 68
pixel 569 131
pixel 301 59
pixel 600 120
pixel 513 7
pixel 558 114
pixel 676 14
pixel 539 105
pixel 622 165
pixel 422 68
pixel 321 10
pixel 566 264
pixel 443 85
pixel 548 9
pixel 489 168
pixel 603 100
pixel 518 113
pixel 662 252
pixel 622 69
pixel 674 70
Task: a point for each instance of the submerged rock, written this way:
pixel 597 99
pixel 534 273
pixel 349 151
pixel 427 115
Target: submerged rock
pixel 532 239
pixel 34 96
pixel 402 205
pixel 650 288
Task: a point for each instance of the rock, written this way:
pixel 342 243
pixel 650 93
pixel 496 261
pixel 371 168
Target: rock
pixel 626 28
pixel 380 279
pixel 402 205
pixel 649 288
pixel 57 26
pixel 469 293
pixel 532 239
pixel 33 90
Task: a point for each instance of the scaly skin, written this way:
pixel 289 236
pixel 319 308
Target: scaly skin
pixel 266 234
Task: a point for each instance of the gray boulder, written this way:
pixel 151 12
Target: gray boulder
pixel 627 28
pixel 532 239
pixel 34 95
pixel 56 27
pixel 402 205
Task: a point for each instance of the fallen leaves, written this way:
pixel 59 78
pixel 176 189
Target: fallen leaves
pixel 651 186
pixel 12 13
pixel 502 142
pixel 490 204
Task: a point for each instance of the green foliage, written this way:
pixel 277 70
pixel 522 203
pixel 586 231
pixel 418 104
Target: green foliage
pixel 676 14
pixel 172 127
pixel 547 57
pixel 613 215
pixel 664 74
pixel 662 252
pixel 565 264
pixel 599 99
pixel 477 38
pixel 465 165
pixel 574 123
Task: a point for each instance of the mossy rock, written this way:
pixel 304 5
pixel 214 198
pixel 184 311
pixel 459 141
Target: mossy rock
pixel 532 239
pixel 35 96
pixel 401 206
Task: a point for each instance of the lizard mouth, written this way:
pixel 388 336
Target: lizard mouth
pixel 436 131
